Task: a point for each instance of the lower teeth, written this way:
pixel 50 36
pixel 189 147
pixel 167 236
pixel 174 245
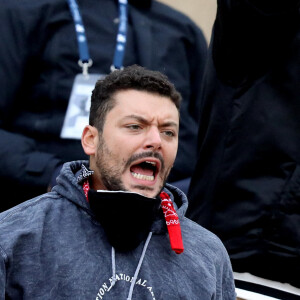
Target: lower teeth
pixel 142 177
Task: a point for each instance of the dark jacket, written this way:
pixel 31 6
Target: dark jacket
pixel 52 247
pixel 246 186
pixel 38 64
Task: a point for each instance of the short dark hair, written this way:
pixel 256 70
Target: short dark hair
pixel 132 77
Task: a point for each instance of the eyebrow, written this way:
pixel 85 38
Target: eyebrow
pixel 145 121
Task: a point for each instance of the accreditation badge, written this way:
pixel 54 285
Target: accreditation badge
pixel 77 115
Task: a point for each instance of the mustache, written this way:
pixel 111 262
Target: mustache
pixel 144 155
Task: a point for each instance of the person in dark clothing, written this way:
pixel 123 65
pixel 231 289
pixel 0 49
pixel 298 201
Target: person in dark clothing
pixel 39 63
pixel 246 185
pixel 112 228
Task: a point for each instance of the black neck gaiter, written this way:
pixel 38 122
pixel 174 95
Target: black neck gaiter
pixel 125 217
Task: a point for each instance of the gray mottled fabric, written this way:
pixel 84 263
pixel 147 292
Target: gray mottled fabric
pixel 51 247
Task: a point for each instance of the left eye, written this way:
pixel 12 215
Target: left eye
pixel 169 133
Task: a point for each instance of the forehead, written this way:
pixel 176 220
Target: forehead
pixel 146 104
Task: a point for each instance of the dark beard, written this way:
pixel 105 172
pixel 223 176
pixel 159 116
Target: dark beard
pixel 111 177
pixel 111 182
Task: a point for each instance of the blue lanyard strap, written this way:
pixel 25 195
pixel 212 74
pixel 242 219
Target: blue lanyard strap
pixel 80 32
pixel 84 56
pixel 122 35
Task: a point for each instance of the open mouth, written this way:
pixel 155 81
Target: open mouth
pixel 145 170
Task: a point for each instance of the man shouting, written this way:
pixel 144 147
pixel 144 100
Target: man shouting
pixel 112 228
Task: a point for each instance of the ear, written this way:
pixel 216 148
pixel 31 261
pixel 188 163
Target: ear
pixel 89 140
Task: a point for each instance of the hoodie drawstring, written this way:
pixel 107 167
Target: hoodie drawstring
pixel 139 266
pixel 113 263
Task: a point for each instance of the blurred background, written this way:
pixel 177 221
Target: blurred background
pixel 202 12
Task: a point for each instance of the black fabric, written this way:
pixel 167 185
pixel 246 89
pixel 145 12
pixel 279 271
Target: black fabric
pixel 246 186
pixel 38 64
pixel 142 4
pixel 125 217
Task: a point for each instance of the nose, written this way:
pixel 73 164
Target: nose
pixel 153 139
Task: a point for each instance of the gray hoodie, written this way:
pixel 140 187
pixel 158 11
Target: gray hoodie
pixel 52 247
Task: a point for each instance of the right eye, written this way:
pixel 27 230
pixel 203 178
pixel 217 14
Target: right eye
pixel 135 127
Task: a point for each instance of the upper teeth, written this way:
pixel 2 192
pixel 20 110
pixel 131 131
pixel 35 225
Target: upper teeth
pixel 143 177
pixel 151 162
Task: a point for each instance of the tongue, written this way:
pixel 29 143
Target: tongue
pixel 143 171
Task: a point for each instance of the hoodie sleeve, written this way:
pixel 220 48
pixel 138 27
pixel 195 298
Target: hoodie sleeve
pixel 249 35
pixel 2 276
pixel 225 280
pixel 227 291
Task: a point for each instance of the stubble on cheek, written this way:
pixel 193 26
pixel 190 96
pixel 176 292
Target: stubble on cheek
pixel 109 170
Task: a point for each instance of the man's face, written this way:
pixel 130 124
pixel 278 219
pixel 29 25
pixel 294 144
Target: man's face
pixel 138 146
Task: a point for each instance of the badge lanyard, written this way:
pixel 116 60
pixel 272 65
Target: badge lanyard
pixel 122 36
pixel 84 57
pixel 77 114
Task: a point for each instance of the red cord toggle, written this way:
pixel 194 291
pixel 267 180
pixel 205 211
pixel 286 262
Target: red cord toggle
pixel 172 222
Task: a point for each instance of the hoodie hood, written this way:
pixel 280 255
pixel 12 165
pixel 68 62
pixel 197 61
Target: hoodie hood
pixel 68 187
